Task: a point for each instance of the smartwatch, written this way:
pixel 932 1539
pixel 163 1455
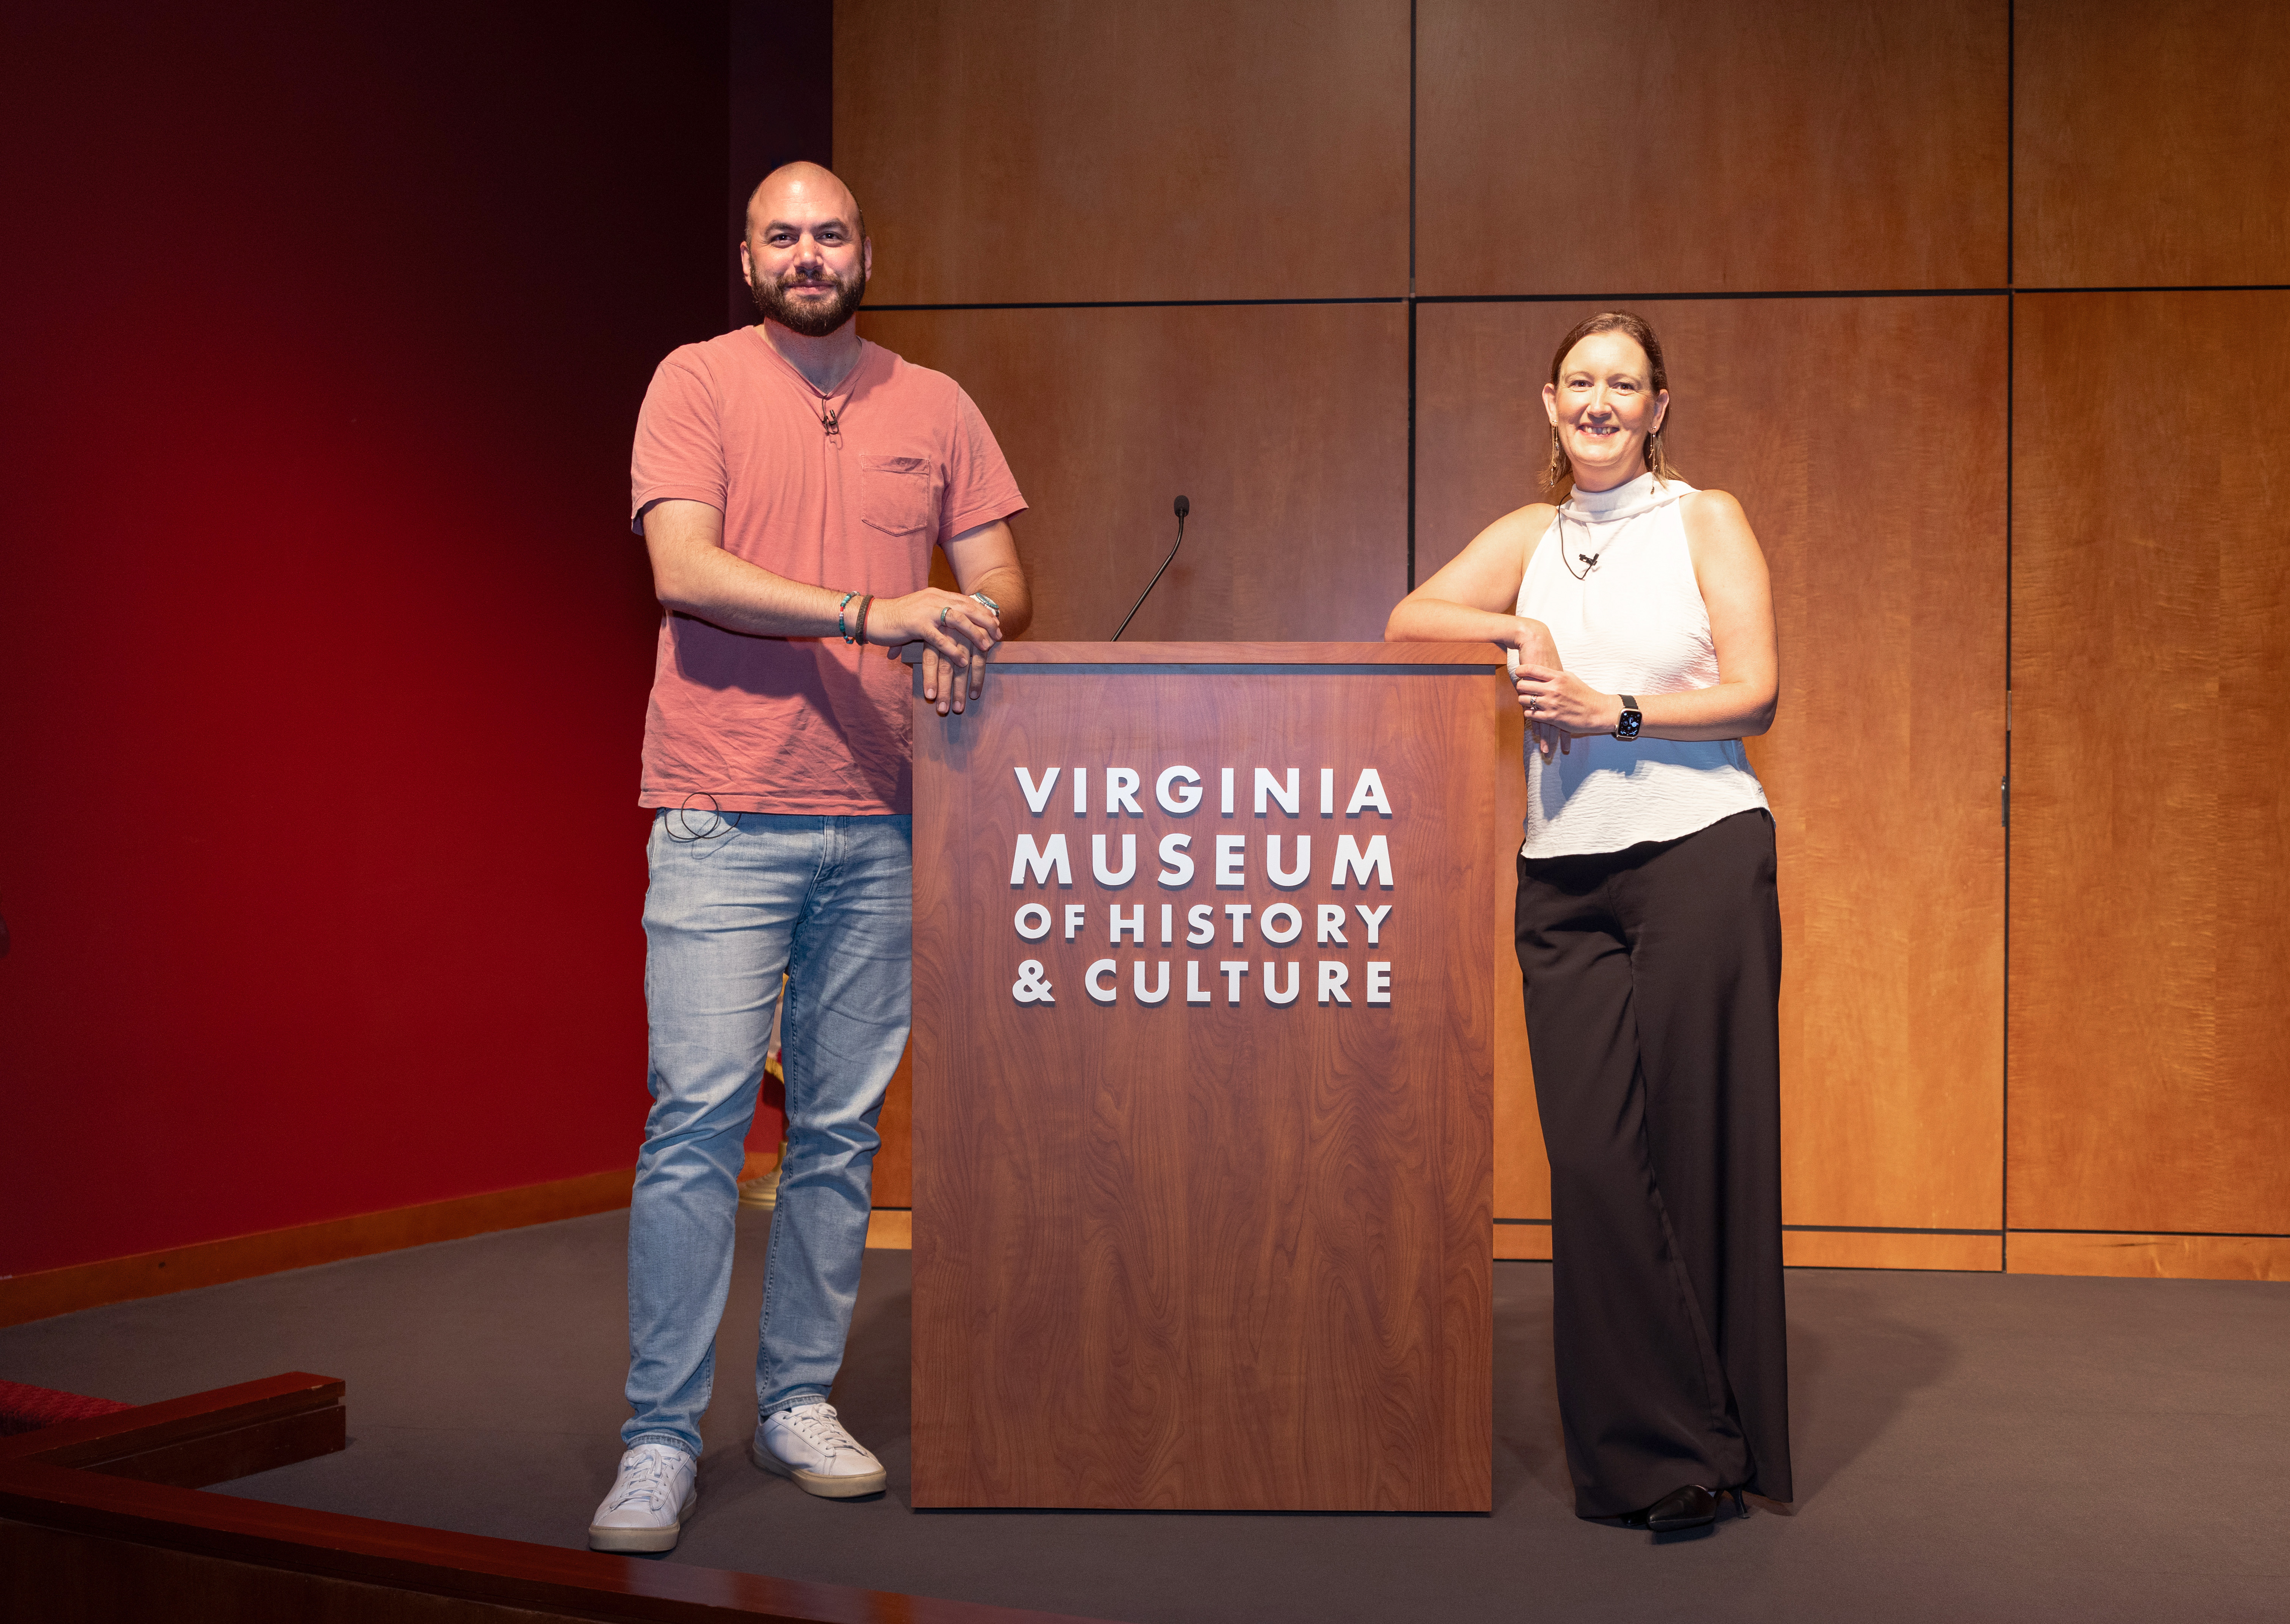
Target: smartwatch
pixel 1632 719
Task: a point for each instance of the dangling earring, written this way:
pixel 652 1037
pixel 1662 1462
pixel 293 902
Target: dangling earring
pixel 1654 449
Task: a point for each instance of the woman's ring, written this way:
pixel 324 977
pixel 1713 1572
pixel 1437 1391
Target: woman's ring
pixel 941 617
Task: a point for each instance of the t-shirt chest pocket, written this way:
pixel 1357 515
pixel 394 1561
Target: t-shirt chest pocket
pixel 896 493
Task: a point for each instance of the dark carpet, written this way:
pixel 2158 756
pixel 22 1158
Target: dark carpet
pixel 1968 1446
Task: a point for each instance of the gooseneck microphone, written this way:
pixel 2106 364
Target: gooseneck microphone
pixel 1183 509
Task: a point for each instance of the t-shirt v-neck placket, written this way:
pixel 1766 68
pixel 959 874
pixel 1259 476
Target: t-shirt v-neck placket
pixel 815 399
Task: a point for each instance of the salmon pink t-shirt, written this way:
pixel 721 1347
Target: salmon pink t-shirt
pixel 803 724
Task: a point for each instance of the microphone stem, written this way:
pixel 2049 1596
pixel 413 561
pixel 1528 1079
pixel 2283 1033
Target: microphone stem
pixel 1155 582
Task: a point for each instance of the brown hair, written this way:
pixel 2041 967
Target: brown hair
pixel 1558 477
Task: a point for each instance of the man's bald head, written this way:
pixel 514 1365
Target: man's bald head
pixel 804 190
pixel 806 255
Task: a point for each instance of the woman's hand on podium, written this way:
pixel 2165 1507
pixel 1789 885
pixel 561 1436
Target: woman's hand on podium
pixel 1533 648
pixel 958 635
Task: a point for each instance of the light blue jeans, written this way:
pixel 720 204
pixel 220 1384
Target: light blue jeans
pixel 734 901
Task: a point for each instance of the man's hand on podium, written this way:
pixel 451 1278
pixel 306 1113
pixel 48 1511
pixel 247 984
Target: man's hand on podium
pixel 958 635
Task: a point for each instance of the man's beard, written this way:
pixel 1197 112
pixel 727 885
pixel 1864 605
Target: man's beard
pixel 813 321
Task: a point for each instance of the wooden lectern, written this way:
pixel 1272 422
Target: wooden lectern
pixel 1203 1078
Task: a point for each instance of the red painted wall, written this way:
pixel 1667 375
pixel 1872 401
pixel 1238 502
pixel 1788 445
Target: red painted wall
pixel 323 643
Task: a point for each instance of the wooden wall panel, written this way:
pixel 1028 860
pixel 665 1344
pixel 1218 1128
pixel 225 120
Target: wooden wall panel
pixel 1286 425
pixel 1860 1249
pixel 1675 146
pixel 1524 1243
pixel 2151 143
pixel 1863 437
pixel 1037 150
pixel 2150 896
pixel 2154 1257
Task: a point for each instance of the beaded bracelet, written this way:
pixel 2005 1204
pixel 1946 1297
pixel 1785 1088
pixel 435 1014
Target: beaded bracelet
pixel 865 604
pixel 841 630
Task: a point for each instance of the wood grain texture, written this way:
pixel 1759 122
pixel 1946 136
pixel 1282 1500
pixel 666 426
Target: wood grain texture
pixel 2151 143
pixel 1665 146
pixel 180 1269
pixel 1229 1256
pixel 1522 1166
pixel 1846 1249
pixel 1287 426
pixel 2162 1257
pixel 1860 435
pixel 2150 894
pixel 1023 151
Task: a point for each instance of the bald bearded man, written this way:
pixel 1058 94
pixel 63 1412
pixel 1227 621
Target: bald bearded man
pixel 789 480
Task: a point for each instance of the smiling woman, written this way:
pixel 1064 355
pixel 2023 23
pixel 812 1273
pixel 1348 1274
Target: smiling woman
pixel 1649 936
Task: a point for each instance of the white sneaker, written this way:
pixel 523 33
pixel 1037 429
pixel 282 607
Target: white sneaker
pixel 657 1485
pixel 809 1444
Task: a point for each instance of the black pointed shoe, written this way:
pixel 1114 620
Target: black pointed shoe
pixel 1690 1506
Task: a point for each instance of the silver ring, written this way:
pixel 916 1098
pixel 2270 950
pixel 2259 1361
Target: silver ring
pixel 1530 709
pixel 941 617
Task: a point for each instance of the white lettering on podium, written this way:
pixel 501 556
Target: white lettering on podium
pixel 1368 792
pixel 1183 798
pixel 1037 796
pixel 1041 860
pixel 1351 860
pixel 1365 863
pixel 1128 869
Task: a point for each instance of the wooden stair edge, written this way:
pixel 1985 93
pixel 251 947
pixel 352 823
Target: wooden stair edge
pixel 80 1499
pixel 88 1442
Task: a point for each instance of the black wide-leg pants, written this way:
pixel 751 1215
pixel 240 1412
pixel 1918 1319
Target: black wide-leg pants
pixel 1652 975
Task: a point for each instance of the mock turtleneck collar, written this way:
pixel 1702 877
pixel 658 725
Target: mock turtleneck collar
pixel 1625 500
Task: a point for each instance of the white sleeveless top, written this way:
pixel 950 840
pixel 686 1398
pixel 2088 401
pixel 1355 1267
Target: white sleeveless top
pixel 1635 623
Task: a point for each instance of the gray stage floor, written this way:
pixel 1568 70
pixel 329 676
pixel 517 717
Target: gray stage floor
pixel 1968 1446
